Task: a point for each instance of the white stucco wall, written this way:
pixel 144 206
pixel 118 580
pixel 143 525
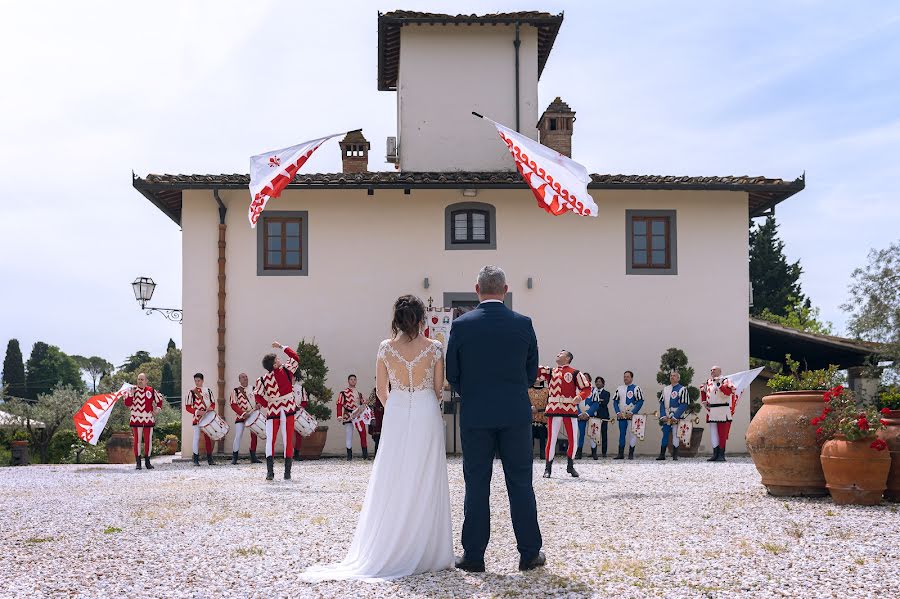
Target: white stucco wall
pixel 446 72
pixel 365 251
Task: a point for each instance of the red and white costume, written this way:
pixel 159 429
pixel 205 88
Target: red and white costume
pixel 198 402
pixel 144 403
pixel 720 400
pixel 275 392
pixel 241 406
pixel 349 401
pixel 568 388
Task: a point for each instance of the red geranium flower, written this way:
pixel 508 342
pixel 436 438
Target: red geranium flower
pixel 863 424
pixel 819 431
pixel 878 444
pixel 883 422
pixel 886 411
pixel 827 396
pixel 826 412
pixel 815 421
pixel 838 390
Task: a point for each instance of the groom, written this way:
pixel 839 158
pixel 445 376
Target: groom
pixel 492 359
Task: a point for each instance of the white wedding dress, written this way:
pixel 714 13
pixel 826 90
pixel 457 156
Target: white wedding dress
pixel 404 527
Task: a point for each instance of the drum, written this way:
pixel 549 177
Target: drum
pixel 365 417
pixel 213 425
pixel 304 423
pixel 256 422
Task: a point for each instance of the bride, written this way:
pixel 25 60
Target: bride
pixel 404 527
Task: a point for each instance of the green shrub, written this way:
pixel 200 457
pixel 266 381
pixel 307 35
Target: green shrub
pixel 5 457
pixel 90 454
pixel 808 380
pixel 889 398
pixel 60 446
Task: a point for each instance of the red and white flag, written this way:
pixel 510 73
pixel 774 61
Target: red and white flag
pixel 271 172
pixel 91 419
pixel 558 182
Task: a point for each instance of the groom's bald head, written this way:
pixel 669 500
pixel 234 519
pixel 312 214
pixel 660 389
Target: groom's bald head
pixel 491 283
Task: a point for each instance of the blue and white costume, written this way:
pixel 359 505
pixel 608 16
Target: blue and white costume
pixel 628 400
pixel 673 402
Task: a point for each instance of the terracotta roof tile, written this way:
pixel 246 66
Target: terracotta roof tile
pixel 164 190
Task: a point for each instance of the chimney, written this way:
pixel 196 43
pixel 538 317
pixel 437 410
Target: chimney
pixel 555 127
pixel 354 153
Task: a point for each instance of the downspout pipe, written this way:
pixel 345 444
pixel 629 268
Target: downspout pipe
pixel 516 43
pixel 220 330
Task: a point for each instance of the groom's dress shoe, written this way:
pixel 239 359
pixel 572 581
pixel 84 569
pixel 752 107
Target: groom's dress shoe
pixel 535 562
pixel 471 566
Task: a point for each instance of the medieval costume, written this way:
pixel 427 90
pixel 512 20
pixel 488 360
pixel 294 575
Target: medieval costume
pixel 627 402
pixel 377 419
pixel 568 388
pixel 595 406
pixel 719 397
pixel 198 402
pixel 144 403
pixel 673 402
pixel 349 407
pixel 274 391
pixel 538 396
pixel 241 406
pixel 302 398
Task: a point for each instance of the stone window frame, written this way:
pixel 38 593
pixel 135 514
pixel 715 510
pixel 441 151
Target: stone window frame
pixel 672 245
pixel 491 228
pixel 303 217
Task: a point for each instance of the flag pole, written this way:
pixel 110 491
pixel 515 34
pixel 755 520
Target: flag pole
pixel 478 115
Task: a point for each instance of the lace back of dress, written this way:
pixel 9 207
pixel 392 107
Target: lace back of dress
pixel 416 374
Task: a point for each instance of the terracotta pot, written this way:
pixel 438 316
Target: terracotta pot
pixel 696 439
pixel 783 445
pixel 171 447
pixel 856 474
pixel 890 434
pixel 313 444
pixel 18 443
pixel 119 449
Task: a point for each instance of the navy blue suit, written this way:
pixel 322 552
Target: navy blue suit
pixel 492 359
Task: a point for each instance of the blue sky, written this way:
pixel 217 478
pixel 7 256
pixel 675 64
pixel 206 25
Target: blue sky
pixel 702 88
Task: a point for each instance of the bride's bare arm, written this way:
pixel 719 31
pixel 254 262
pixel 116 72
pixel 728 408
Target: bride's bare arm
pixel 439 378
pixel 381 380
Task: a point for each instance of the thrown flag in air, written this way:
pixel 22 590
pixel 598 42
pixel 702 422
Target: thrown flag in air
pixel 91 419
pixel 559 183
pixel 271 172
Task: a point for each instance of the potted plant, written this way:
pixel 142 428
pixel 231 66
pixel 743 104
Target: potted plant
pixel 19 448
pixel 853 458
pixel 171 444
pixel 889 402
pixel 313 373
pixel 676 359
pixel 780 441
pixel 119 445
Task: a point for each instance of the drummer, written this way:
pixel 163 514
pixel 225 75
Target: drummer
pixel 240 404
pixel 198 402
pixel 349 405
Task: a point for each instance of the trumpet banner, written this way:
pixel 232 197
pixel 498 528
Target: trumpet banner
pixel 685 429
pixel 639 425
pixel 594 430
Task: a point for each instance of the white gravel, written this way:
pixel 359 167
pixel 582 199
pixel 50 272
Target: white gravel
pixel 635 529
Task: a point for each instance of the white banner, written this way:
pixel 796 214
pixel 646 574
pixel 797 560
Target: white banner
pixel 559 183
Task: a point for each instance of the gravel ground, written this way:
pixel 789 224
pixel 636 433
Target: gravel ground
pixel 636 529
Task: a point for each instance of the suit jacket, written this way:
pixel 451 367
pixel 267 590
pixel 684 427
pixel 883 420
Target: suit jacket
pixel 492 360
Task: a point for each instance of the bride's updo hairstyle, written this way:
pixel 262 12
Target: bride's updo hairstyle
pixel 409 314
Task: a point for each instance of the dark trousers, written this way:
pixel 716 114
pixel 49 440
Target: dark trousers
pixel 514 445
pixel 539 433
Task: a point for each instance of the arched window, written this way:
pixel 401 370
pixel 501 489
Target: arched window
pixel 470 226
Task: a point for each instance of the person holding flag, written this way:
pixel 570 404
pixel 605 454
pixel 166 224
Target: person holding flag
pixel 673 402
pixel 568 388
pixel 275 392
pixel 719 395
pixel 144 402
pixel 627 402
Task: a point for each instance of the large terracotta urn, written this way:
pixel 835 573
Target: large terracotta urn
pixel 890 434
pixel 782 443
pixel 119 449
pixel 312 446
pixel 855 473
